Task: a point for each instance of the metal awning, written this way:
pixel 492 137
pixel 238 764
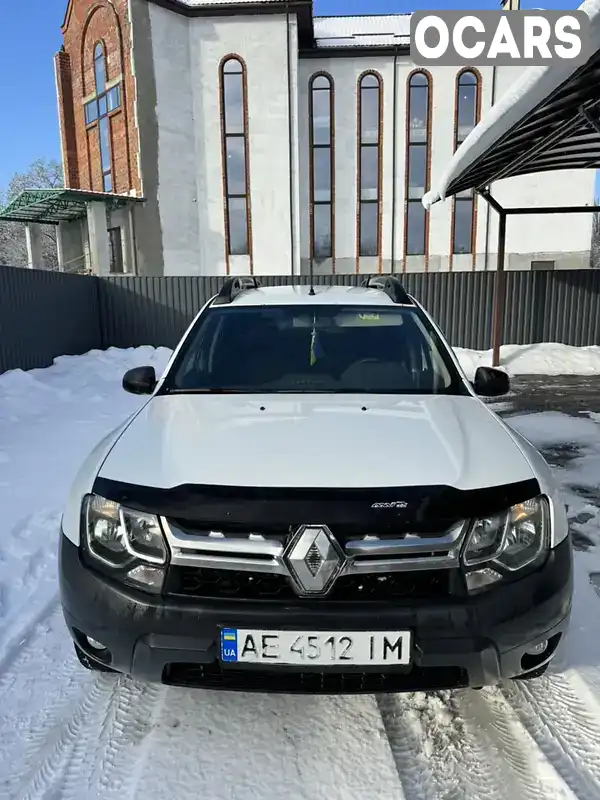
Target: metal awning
pixel 51 206
pixel 548 120
pixel 562 132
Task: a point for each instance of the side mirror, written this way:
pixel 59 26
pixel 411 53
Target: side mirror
pixel 140 380
pixel 490 382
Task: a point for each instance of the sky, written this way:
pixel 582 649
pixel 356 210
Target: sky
pixel 30 36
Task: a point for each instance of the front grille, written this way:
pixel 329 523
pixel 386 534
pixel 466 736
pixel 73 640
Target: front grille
pixel 214 676
pixel 228 584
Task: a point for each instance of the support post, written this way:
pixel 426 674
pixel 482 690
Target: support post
pixel 499 290
pixel 35 250
pixel 98 238
pixel 60 250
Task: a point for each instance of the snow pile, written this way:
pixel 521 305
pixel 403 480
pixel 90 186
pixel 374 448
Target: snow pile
pixel 547 358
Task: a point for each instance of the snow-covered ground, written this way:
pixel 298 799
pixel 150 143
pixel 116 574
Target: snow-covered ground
pixel 548 358
pixel 66 733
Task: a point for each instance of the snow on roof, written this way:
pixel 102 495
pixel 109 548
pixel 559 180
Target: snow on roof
pixel 531 89
pixel 380 29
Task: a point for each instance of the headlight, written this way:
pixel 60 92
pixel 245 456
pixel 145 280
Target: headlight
pixel 507 542
pixel 129 542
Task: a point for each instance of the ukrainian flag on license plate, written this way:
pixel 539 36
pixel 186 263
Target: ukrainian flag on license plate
pixel 229 644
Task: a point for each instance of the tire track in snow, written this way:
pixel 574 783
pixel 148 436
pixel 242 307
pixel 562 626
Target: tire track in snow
pixel 466 743
pixel 93 750
pixel 498 722
pixel 80 730
pixel 565 728
pixel 56 750
pixel 104 756
pixel 406 743
pixel 439 753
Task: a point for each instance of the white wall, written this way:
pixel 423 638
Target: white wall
pixel 187 54
pixel 177 160
pixel 564 238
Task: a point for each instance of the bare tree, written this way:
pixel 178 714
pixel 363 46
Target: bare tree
pixel 42 174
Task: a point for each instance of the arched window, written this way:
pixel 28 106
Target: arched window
pixel 234 130
pixel 418 157
pixel 322 165
pixel 98 110
pixel 370 107
pixel 100 68
pixel 468 91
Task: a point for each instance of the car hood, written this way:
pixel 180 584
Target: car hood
pixel 329 441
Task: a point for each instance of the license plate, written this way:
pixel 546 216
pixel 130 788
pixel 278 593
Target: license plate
pixel 315 648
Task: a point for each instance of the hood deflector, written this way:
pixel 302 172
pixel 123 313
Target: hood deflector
pixel 428 509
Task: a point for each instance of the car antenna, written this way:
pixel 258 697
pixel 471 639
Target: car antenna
pixel 312 286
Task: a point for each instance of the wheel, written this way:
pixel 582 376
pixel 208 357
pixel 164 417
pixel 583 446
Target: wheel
pixel 535 673
pixel 88 663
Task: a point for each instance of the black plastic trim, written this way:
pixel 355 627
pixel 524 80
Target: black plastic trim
pixel 391 286
pixel 428 508
pixel 234 286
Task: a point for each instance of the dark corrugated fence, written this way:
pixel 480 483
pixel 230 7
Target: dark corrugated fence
pixel 137 311
pixel 541 306
pixel 45 314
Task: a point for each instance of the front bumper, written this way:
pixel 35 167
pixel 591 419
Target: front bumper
pixel 474 641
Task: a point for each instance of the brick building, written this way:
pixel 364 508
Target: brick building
pixel 235 136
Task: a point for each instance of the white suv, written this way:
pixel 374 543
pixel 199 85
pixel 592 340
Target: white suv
pixel 314 499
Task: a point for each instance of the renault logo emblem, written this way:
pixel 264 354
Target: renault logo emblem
pixel 314 559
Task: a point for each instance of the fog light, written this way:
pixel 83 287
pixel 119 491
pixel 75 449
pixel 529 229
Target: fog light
pixel 93 643
pixel 481 578
pixel 538 649
pixel 146 576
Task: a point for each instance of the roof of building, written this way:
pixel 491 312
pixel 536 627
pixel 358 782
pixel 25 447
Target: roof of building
pixel 548 120
pixel 324 295
pixel 362 31
pixel 51 206
pixel 370 31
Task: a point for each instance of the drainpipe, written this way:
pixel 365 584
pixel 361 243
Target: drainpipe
pixel 290 133
pixel 394 148
pixel 487 205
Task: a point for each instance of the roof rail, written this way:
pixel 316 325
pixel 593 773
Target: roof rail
pixel 234 286
pixel 391 286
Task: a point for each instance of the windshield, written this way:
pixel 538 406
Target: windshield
pixel 353 349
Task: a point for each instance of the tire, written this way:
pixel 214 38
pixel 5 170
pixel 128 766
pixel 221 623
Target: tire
pixel 535 673
pixel 88 663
